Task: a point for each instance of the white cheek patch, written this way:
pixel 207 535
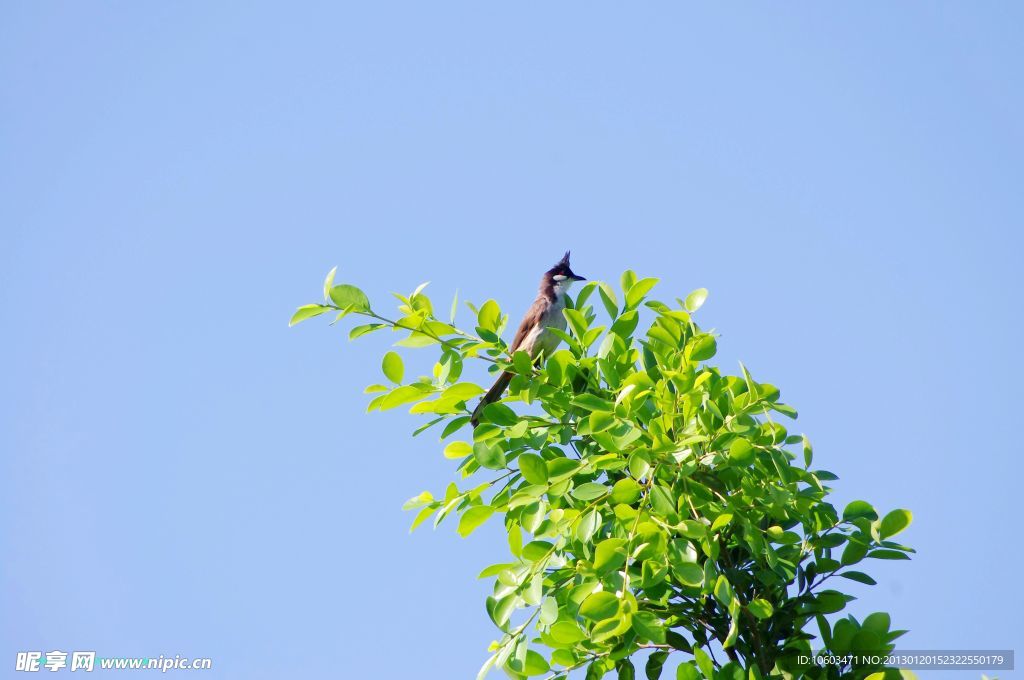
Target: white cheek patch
pixel 559 277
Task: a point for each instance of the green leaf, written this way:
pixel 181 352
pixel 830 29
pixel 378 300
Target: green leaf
pixel 859 577
pixel 687 671
pixel 701 347
pixel 486 668
pixel 785 410
pixel 417 339
pixel 830 601
pixel 761 608
pixel 393 367
pixel 592 402
pixel 489 456
pixel 548 610
pixel 696 299
pixel 457 450
pixel 515 540
pixel 707 668
pixel 609 555
pixel 533 468
pixel 561 469
pixel 495 569
pixel 501 609
pixel 589 491
pixel 531 516
pixel 721 521
pixel 587 525
pixel 723 591
pixel 500 414
pixel 895 522
pixel 567 632
pixel 536 550
pixel 489 316
pixel 663 501
pixel 677 641
pixel 853 552
pixel 473 518
pixel 626 491
pixel 535 664
pixel 638 465
pixel 421 517
pixel 858 509
pixel 522 362
pixel 625 324
pixel 360 331
pixel 350 297
pixel 601 421
pixel 730 640
pixel 655 664
pixel 307 312
pixel 462 392
pixel 741 451
pixel 627 280
pixel 577 322
pixel 649 626
pixel 609 299
pixel 329 283
pixel 455 307
pixel 638 290
pixel 418 501
pixel 600 606
pixel 688 573
pixel 877 623
pixel 692 529
pixel 403 395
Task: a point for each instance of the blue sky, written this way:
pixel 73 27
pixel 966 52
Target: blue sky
pixel 186 475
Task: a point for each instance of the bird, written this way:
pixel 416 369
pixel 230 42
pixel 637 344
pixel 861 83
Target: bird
pixel 533 336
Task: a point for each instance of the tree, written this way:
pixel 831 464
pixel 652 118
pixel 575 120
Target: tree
pixel 654 504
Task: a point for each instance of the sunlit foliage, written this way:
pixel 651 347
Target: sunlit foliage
pixel 656 507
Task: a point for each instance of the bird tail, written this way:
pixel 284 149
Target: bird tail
pixel 493 395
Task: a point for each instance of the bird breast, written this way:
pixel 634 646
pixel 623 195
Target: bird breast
pixel 540 340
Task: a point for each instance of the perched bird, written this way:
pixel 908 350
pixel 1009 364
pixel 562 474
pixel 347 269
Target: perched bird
pixel 533 336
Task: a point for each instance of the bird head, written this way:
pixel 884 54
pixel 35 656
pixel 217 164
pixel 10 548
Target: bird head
pixel 562 275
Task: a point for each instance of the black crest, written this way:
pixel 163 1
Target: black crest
pixel 562 267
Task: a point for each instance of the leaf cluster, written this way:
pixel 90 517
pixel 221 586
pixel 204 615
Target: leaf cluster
pixel 653 503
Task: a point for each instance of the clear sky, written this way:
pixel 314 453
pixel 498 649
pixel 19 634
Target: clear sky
pixel 183 474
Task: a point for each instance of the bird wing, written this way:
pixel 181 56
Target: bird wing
pixel 534 316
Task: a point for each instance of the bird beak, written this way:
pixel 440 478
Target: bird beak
pixel 577 277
